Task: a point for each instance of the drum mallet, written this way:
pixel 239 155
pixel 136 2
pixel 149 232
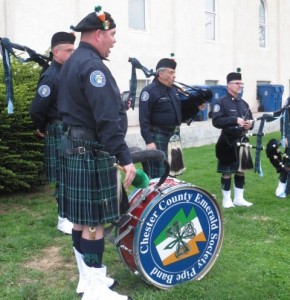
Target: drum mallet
pixel 141 179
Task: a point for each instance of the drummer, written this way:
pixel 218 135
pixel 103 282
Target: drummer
pixel 95 123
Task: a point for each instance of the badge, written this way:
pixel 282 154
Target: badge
pixel 44 90
pixel 145 96
pixel 98 79
pixel 216 108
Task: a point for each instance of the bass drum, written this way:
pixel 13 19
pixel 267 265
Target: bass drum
pixel 171 234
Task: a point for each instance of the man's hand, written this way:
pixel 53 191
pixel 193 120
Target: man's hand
pixel 248 124
pixel 130 171
pixel 151 146
pixel 128 104
pixel 39 133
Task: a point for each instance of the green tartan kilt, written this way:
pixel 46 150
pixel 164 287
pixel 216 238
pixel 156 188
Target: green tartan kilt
pixel 88 185
pixel 161 140
pixel 52 145
pixel 227 168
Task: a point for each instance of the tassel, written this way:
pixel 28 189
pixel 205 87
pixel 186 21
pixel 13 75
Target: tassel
pixel 175 157
pixel 245 159
pixel 249 165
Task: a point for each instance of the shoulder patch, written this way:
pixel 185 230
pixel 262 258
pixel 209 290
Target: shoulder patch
pixel 216 108
pixel 144 96
pixel 44 90
pixel 98 79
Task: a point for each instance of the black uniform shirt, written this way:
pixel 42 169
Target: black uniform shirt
pixel 228 109
pixel 44 105
pixel 159 105
pixel 89 97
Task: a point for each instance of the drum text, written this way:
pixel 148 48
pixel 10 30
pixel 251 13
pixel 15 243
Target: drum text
pixel 208 253
pixel 144 242
pixel 185 197
pixel 208 209
pixel 161 275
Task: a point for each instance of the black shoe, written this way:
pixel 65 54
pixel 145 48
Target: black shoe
pixel 114 284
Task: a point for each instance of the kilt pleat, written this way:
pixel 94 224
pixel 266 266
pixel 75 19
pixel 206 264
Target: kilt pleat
pixel 87 186
pixel 52 145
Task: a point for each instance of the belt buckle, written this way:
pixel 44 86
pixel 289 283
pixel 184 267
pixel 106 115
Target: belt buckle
pixel 82 150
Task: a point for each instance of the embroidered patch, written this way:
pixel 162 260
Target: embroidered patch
pixel 216 108
pixel 145 96
pixel 98 79
pixel 44 90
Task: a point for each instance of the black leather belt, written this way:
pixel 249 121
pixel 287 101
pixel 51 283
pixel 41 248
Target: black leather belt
pixel 80 150
pixel 162 128
pixel 81 133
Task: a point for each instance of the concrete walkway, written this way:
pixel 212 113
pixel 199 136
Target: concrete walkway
pixel 197 134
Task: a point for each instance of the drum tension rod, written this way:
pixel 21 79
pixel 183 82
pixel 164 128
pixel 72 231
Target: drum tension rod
pixel 122 235
pixel 126 249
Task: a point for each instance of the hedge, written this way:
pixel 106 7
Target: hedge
pixel 22 153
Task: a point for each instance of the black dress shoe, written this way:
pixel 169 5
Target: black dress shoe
pixel 114 284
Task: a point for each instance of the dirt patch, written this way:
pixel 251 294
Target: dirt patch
pixel 11 208
pixel 261 218
pixel 51 260
pixel 3 209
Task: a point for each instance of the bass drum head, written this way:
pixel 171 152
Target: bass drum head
pixel 179 236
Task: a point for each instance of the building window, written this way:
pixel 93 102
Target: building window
pixel 141 83
pixel 137 14
pixel 262 25
pixel 210 17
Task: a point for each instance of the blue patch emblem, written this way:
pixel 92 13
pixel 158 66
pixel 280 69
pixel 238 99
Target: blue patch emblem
pixel 44 90
pixel 216 108
pixel 145 96
pixel 98 79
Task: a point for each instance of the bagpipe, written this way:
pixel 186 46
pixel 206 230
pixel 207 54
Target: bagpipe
pixel 278 159
pixel 7 49
pixel 191 96
pixel 272 151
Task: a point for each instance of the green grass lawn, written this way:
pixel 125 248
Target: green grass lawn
pixel 37 261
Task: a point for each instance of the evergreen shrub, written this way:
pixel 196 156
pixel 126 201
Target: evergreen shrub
pixel 22 152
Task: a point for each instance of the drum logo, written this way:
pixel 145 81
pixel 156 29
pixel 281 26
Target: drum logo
pixel 179 238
